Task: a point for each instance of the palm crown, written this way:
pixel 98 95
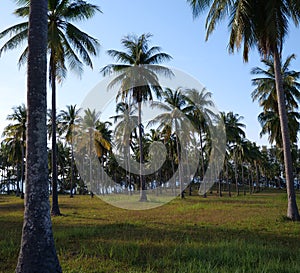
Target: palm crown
pixel 66 43
pixel 139 67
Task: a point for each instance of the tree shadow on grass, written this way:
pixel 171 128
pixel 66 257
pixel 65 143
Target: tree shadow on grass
pixel 177 248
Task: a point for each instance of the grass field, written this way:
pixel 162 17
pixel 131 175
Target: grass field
pixel 213 235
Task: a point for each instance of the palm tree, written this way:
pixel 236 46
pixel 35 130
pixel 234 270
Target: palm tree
pixel 37 237
pixel 93 140
pixel 68 119
pixel 14 158
pixel 201 115
pixel 66 44
pixel 235 134
pixel 265 93
pixel 125 129
pixel 265 25
pixel 174 107
pixel 137 74
pixel 270 123
pixel 89 122
pixel 15 134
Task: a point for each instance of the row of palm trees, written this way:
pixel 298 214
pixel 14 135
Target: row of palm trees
pixel 245 162
pixel 248 26
pixel 192 103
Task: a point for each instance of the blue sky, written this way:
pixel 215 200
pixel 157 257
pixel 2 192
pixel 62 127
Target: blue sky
pixel 173 28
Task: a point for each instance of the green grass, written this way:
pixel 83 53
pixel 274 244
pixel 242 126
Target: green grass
pixel 213 235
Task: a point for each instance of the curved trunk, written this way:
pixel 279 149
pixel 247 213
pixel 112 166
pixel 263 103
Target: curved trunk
pixel 292 210
pixel 55 208
pixel 37 253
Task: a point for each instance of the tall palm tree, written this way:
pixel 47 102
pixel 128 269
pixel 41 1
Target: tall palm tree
pixel 68 119
pixel 15 133
pixel 68 46
pixel 37 237
pixel 265 25
pixel 137 73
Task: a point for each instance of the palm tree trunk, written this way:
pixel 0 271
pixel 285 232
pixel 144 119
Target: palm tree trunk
pixel 22 166
pixel 179 163
pixel 227 179
pixel 72 170
pixel 220 185
pixel 18 178
pixel 92 186
pixel 202 162
pixel 143 196
pixel 55 207
pixel 243 179
pixel 257 189
pixel 37 253
pixel 292 210
pixel 236 177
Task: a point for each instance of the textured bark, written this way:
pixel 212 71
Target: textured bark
pixel 292 210
pixel 55 207
pixel 37 253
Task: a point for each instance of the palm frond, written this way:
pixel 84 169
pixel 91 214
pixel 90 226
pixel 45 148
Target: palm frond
pixel 80 10
pixel 15 41
pixel 113 68
pixel 83 43
pixel 22 12
pixel 120 56
pixel 23 58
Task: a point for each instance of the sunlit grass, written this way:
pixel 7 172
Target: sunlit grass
pixel 218 235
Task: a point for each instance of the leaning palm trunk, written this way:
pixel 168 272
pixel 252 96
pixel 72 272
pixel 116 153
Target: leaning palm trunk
pixel 292 210
pixel 37 252
pixel 55 208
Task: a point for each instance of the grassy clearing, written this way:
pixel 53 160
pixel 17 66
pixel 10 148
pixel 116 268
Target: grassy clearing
pixel 213 235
